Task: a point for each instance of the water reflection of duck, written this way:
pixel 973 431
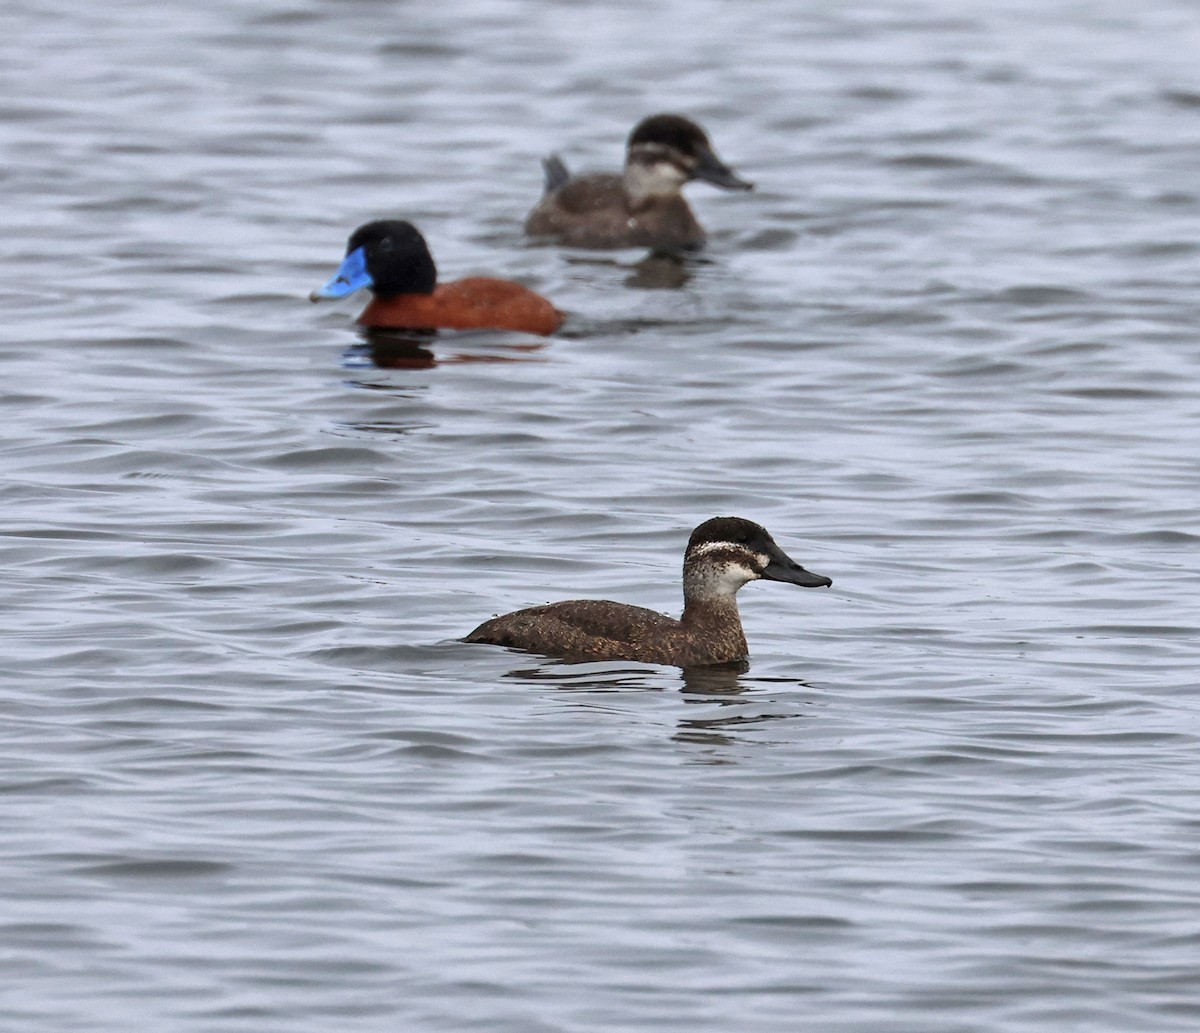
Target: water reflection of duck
pixel 392 260
pixel 722 555
pixel 413 349
pixel 642 207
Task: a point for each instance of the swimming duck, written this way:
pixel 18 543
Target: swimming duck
pixel 391 258
pixel 644 206
pixel 722 555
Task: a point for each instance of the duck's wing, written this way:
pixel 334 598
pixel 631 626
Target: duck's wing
pixel 586 211
pixel 618 621
pixel 578 628
pixel 582 194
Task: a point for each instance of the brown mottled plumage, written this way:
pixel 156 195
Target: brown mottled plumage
pixel 722 555
pixel 643 207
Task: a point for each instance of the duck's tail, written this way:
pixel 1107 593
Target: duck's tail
pixel 556 173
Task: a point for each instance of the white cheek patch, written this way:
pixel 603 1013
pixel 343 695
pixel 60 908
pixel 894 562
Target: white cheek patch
pixel 668 172
pixel 734 575
pixel 659 178
pixel 724 576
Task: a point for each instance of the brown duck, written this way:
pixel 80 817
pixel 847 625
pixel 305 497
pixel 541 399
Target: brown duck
pixel 642 207
pixel 722 555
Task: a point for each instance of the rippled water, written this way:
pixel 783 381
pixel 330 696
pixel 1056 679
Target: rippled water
pixel 947 352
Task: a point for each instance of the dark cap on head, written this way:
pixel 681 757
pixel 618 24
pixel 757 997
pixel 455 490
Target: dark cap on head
pixel 396 255
pixel 685 138
pixel 756 539
pixel 672 131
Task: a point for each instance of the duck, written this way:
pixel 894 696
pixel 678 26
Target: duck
pixel 722 555
pixel 391 259
pixel 642 207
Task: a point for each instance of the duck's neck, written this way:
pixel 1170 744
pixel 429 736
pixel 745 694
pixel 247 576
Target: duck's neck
pixel 715 621
pixel 721 609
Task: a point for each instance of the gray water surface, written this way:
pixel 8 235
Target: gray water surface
pixel 947 352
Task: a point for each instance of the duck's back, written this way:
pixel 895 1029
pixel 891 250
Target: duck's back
pixel 590 629
pixel 594 629
pixel 595 212
pixel 473 303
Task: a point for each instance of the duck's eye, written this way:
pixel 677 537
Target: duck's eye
pixel 385 244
